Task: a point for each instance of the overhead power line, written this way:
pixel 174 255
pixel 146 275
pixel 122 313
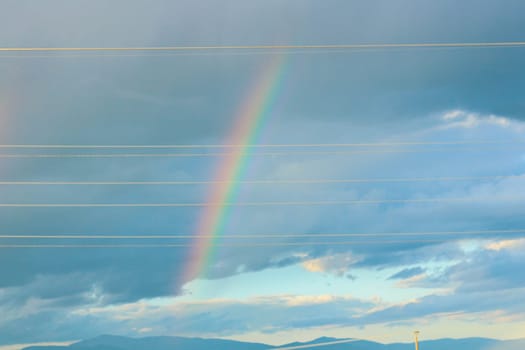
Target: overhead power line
pixel 238 245
pixel 298 145
pixel 262 203
pixel 264 236
pixel 174 54
pixel 261 182
pixel 224 154
pixel 233 245
pixel 267 47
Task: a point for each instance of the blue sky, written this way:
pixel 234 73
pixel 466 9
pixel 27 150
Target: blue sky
pixel 462 285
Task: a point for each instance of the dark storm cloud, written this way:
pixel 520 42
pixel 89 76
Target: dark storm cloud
pixel 239 22
pixel 124 275
pixel 186 98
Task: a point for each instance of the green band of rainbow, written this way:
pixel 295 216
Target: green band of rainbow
pixel 247 125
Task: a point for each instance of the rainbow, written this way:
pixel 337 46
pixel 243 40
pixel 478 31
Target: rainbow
pixel 247 125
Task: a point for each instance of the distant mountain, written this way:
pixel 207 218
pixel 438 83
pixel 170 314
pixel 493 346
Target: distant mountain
pixel 112 342
pixel 439 344
pixel 354 345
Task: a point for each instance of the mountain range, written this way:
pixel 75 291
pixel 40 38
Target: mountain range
pixel 112 342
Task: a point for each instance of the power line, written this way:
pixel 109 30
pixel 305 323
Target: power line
pixel 259 204
pixel 203 155
pixel 233 245
pixel 299 145
pixel 199 54
pixel 265 236
pixel 262 182
pixel 272 154
pixel 168 54
pixel 188 53
pixel 181 245
pixel 266 47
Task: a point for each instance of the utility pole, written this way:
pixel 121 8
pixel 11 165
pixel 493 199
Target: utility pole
pixel 416 333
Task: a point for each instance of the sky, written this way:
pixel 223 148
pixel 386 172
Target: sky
pixel 440 251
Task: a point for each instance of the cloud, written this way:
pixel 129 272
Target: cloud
pixel 337 264
pixel 145 330
pixel 435 305
pixel 211 318
pixel 464 119
pixel 506 244
pixel 477 287
pixel 489 270
pixel 132 274
pixel 407 273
